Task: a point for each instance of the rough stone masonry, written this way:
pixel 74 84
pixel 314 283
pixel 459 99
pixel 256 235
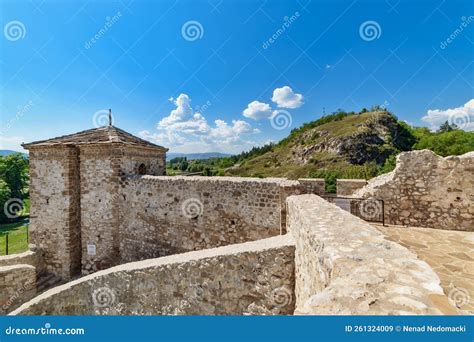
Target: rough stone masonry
pixel 427 190
pixel 99 198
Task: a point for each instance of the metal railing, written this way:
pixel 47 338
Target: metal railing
pixel 368 209
pixel 7 240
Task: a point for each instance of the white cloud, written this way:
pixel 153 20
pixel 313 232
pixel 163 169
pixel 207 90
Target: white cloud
pixel 257 110
pixel 186 131
pixel 231 133
pixel 183 110
pixel 285 97
pixel 463 116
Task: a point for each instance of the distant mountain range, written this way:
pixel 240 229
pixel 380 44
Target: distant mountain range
pixel 193 156
pixel 189 156
pixel 8 152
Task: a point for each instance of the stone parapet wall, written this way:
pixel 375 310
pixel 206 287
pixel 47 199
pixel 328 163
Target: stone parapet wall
pixel 168 215
pixel 30 257
pixel 250 278
pixel 346 187
pixel 427 190
pixel 344 266
pixel 312 186
pixel 17 285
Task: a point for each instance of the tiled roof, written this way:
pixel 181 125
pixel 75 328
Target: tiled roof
pixel 101 135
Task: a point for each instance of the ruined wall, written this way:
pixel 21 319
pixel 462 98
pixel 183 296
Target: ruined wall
pixel 427 190
pixel 54 213
pixel 312 186
pixel 344 266
pixel 346 187
pixel 168 215
pixel 250 278
pixel 17 285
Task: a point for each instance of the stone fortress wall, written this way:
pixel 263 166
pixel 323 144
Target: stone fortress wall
pixel 138 217
pixel 344 266
pixel 250 278
pixel 102 168
pixel 427 190
pixel 55 209
pixel 330 262
pixel 169 215
pixel 19 275
pixel 117 216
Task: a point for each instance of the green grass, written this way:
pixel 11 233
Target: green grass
pixel 17 238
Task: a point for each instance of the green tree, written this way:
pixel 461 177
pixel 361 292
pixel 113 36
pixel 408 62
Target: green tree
pixel 14 172
pixel 183 166
pixel 446 127
pixel 455 142
pixel 4 196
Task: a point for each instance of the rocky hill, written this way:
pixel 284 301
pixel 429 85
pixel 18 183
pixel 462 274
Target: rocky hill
pixel 339 142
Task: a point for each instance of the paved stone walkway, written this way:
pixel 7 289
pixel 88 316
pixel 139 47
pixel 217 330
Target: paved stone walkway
pixel 449 253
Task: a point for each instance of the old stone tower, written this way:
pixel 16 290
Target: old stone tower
pixel 74 187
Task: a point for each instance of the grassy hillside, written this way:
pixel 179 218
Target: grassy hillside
pixel 339 145
pixel 350 144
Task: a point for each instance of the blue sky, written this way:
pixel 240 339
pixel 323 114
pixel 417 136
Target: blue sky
pixel 201 76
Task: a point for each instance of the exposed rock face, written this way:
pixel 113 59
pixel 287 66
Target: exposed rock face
pixel 344 266
pixel 362 145
pixel 427 190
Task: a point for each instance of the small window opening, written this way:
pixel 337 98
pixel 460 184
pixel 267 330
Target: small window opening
pixel 142 169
